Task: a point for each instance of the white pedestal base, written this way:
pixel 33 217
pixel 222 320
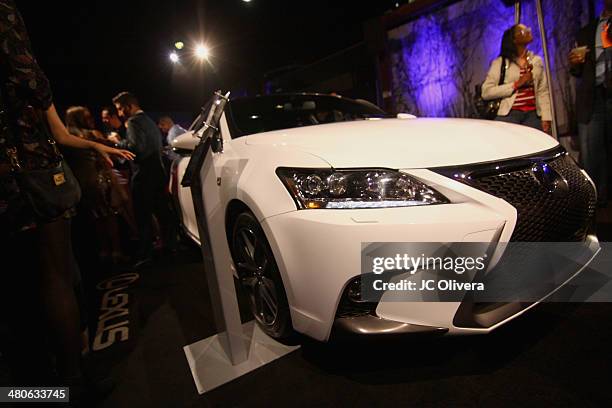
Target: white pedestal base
pixel 211 368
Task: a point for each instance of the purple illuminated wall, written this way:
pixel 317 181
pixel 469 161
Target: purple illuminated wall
pixel 439 58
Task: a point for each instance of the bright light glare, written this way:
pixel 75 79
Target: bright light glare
pixel 174 57
pixel 179 45
pixel 202 52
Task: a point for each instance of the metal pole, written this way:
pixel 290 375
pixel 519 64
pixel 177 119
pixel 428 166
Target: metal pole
pixel 547 65
pixel 517 12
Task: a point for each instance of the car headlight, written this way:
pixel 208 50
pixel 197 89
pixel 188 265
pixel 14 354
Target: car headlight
pixel 372 188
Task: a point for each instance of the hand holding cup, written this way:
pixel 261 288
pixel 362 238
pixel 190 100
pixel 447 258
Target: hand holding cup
pixel 578 55
pixel 525 79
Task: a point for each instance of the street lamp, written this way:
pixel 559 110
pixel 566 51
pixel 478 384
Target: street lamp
pixel 174 57
pixel 202 52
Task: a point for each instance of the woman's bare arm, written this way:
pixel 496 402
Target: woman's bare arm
pixel 62 136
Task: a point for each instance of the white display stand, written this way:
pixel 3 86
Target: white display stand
pixel 210 366
pixel 236 349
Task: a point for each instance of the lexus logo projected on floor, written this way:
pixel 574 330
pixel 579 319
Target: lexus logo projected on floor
pixel 114 318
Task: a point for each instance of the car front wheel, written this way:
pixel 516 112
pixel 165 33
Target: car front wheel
pixel 259 277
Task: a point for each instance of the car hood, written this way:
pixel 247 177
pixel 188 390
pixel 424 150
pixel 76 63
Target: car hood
pixel 410 143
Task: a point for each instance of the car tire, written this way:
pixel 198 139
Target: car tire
pixel 260 278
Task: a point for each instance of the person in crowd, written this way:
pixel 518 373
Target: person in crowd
pixel 101 195
pixel 111 122
pixel 524 92
pixel 591 63
pixel 122 169
pixel 169 129
pixel 148 181
pixel 40 246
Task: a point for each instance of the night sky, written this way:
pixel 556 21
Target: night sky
pixel 91 50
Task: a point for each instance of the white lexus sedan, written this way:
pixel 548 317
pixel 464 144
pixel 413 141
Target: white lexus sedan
pixel 305 179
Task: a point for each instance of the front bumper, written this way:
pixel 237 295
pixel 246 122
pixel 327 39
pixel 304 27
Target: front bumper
pixel 470 317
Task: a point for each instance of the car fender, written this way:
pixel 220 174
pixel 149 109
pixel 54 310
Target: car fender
pixel 259 187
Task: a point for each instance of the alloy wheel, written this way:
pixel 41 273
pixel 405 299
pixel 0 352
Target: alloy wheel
pixel 253 271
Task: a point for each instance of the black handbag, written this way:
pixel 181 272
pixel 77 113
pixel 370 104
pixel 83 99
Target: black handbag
pixel 488 109
pixel 50 192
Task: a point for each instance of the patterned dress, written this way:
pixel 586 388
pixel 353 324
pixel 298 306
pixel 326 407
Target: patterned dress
pixel 94 175
pixel 26 94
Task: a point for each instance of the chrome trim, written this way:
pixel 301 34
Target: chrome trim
pixel 466 172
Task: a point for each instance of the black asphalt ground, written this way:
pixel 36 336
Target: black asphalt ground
pixel 556 355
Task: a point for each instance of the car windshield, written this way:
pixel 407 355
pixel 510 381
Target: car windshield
pixel 247 116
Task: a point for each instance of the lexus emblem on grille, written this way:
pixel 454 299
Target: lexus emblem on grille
pixel 550 179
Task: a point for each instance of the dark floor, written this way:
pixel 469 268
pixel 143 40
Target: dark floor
pixel 557 355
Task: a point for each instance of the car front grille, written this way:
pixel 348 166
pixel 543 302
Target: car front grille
pixel 542 215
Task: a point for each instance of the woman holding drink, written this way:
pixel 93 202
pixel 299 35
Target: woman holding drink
pixel 523 92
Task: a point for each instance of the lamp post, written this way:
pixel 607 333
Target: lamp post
pixel 547 66
pixel 517 12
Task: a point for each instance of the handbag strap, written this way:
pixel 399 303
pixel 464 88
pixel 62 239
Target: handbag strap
pixel 502 75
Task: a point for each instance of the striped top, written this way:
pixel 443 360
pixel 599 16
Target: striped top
pixel 525 98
